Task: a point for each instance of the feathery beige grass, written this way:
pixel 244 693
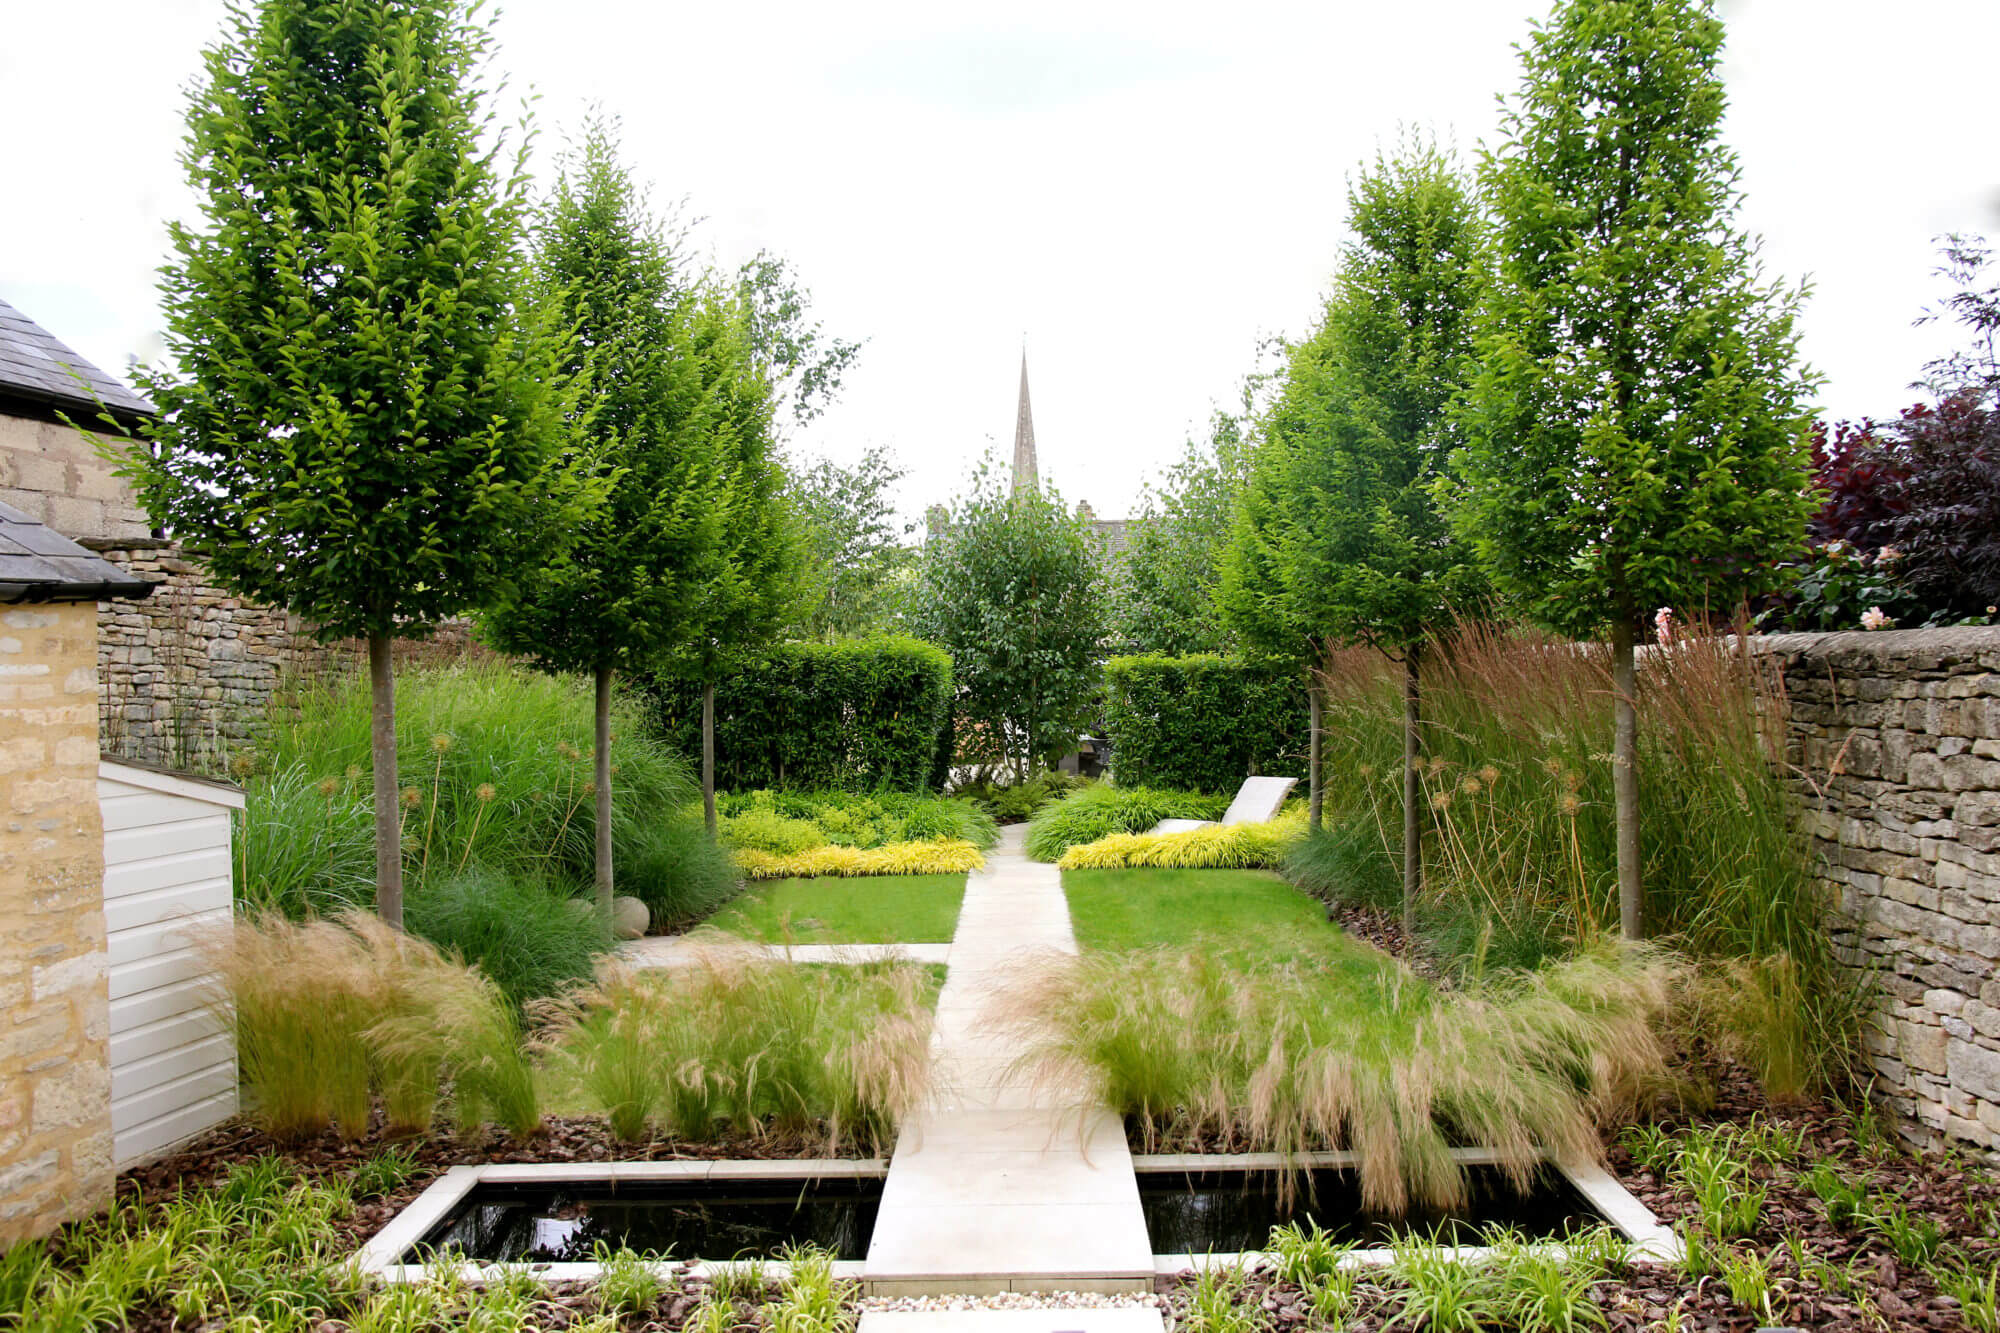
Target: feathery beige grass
pixel 1348 1049
pixel 747 1043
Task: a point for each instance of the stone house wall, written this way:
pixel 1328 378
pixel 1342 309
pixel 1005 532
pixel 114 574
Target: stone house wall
pixel 52 474
pixel 1893 740
pixel 55 1077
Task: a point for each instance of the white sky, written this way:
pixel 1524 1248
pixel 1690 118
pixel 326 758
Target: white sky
pixel 1141 191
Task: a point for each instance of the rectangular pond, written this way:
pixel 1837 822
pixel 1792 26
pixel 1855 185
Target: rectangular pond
pixel 1199 1206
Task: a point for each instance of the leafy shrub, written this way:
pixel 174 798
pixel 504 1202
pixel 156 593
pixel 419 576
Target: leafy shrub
pixel 749 1045
pixel 942 857
pixel 1090 813
pixel 532 940
pixel 765 830
pixel 1213 847
pixel 1203 722
pixel 1344 1048
pixel 1012 802
pixel 866 714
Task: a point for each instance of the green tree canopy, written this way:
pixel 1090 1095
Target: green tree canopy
pixel 1012 588
pixel 648 413
pixel 1172 570
pixel 1634 436
pixel 854 554
pixel 358 428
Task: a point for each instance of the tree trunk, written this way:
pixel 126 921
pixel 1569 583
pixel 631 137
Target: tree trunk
pixel 388 797
pixel 1625 778
pixel 1316 798
pixel 603 742
pixel 708 756
pixel 1413 784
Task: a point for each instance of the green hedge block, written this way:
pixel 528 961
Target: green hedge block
pixel 1204 723
pixel 858 716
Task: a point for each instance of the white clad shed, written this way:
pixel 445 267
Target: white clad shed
pixel 166 874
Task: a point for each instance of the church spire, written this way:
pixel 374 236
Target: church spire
pixel 1024 436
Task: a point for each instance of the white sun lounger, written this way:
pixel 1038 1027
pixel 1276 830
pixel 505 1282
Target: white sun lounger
pixel 1257 802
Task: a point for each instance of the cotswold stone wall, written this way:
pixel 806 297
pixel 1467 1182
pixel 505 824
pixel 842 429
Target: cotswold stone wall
pixel 1894 739
pixel 55 1008
pixel 189 673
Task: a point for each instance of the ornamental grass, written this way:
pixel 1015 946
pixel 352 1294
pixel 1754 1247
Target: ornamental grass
pixel 1342 1047
pixel 748 1045
pixel 942 856
pixel 1213 847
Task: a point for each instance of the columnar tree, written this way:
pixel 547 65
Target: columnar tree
pixel 358 429
pixel 1634 435
pixel 1365 416
pixel 1011 587
pixel 648 416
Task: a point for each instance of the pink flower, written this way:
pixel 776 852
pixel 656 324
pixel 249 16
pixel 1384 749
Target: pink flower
pixel 1888 555
pixel 1663 625
pixel 1873 618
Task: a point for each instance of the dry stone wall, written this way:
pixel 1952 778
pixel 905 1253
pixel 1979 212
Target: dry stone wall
pixel 1894 742
pixel 189 673
pixel 55 1070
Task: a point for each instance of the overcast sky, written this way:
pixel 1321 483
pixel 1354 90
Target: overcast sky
pixel 1141 192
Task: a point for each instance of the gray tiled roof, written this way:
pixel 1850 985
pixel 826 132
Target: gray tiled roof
pixel 36 365
pixel 39 564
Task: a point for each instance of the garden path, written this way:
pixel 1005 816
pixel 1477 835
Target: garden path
pixel 997 1185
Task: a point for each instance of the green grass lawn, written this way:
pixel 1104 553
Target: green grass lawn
pixel 1133 909
pixel 872 909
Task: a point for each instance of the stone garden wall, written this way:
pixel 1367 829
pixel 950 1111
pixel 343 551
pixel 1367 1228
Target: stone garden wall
pixel 188 674
pixel 1894 742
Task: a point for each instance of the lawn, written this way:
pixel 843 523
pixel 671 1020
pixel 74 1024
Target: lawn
pixel 1134 909
pixel 875 909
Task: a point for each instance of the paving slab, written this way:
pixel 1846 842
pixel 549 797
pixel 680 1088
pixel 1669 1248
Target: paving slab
pixel 1003 1184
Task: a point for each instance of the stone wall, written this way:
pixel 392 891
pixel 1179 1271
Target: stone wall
pixel 189 672
pixel 55 1076
pixel 52 474
pixel 1894 742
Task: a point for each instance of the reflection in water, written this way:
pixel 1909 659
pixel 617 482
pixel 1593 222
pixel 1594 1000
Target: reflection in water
pixel 696 1220
pixel 1225 1211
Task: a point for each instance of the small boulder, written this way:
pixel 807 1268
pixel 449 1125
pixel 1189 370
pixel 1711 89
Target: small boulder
pixel 629 917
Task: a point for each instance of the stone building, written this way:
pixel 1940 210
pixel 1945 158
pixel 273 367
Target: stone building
pixel 56 1149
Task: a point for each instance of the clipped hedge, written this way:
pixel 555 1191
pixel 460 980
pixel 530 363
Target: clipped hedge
pixel 1203 723
pixel 861 716
pixel 940 857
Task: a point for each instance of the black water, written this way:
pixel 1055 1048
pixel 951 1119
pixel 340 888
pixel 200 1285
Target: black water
pixel 1195 1212
pixel 691 1220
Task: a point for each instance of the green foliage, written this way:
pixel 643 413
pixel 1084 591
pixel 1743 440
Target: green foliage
pixel 862 715
pixel 1346 862
pixel 498 760
pixel 1012 802
pixel 898 909
pixel 856 565
pixel 1361 431
pixel 1243 846
pixel 532 940
pixel 785 822
pixel 1203 722
pixel 357 429
pixel 1630 347
pixel 653 369
pixel 304 843
pixel 1173 563
pixel 1013 591
pixel 677 870
pixel 1092 812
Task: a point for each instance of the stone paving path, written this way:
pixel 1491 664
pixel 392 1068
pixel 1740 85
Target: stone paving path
pixel 996 1186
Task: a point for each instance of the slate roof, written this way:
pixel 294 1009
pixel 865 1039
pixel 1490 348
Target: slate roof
pixel 36 365
pixel 39 564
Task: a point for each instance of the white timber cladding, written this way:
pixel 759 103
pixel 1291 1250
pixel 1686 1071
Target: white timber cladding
pixel 166 876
